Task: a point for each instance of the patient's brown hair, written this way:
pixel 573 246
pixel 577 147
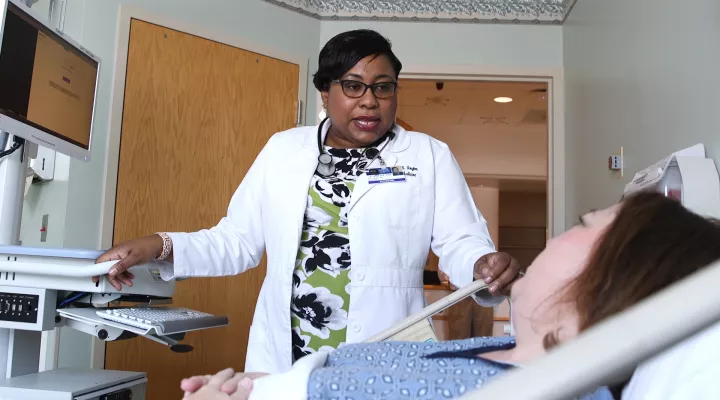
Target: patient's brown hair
pixel 652 243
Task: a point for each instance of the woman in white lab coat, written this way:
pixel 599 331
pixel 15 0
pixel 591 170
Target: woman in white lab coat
pixel 347 212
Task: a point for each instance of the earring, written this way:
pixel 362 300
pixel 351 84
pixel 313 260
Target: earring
pixel 323 114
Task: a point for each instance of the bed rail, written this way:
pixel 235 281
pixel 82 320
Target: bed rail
pixel 612 350
pixel 416 327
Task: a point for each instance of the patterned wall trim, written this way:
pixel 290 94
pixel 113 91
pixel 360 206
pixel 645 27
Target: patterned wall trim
pixel 449 11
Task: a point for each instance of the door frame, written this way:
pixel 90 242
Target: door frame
pixel 126 14
pixel 555 80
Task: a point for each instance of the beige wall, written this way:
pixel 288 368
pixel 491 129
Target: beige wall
pixel 516 151
pixel 487 200
pixel 523 224
pixel 523 209
pixel 522 230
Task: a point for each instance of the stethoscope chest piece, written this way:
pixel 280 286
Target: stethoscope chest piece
pixel 372 153
pixel 325 158
pixel 325 165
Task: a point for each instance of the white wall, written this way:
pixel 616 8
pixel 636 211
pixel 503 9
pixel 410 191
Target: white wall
pixel 510 46
pixel 641 74
pixel 42 7
pixel 46 198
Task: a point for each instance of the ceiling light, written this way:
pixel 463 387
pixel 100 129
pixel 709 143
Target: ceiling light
pixel 503 99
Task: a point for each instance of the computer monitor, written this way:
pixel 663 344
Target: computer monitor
pixel 48 83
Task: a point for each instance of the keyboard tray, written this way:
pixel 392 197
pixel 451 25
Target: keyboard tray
pixel 89 316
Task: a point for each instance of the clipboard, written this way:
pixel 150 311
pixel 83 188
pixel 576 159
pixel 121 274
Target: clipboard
pixel 417 327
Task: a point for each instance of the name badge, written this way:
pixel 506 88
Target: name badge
pixel 387 174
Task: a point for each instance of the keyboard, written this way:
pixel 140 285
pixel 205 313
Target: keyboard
pixel 164 320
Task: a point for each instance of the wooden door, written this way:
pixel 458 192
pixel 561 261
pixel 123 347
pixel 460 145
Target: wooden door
pixel 196 115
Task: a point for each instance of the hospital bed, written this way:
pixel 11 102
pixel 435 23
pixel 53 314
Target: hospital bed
pixel 604 355
pixel 611 351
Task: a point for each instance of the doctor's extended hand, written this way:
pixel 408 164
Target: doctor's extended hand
pixel 499 271
pixel 130 253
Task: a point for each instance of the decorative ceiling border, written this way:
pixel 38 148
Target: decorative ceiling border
pixel 535 12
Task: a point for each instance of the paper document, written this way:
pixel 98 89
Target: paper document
pixel 420 332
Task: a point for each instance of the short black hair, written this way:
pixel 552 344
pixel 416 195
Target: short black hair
pixel 342 52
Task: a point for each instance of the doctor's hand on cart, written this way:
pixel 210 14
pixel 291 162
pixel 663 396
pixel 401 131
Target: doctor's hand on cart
pixel 130 254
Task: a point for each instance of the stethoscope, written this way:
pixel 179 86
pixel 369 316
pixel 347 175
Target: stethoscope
pixel 326 167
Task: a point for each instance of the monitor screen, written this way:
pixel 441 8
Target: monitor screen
pixel 45 81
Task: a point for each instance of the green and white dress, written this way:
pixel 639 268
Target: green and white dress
pixel 320 297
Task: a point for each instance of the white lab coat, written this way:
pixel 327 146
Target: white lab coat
pixel 391 226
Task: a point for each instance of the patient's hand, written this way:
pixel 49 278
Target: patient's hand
pixel 225 384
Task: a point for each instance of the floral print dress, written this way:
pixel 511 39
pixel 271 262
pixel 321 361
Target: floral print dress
pixel 320 297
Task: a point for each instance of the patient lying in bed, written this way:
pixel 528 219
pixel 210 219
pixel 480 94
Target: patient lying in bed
pixel 611 260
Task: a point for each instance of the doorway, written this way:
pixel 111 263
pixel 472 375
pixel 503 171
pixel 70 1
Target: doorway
pixel 195 115
pixel 499 133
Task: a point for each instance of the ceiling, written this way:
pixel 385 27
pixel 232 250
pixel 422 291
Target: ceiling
pixel 447 11
pixel 472 103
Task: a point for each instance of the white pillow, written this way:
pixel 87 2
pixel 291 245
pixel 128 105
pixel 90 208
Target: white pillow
pixel 689 370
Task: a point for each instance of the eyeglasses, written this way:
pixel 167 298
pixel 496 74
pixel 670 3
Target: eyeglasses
pixel 357 89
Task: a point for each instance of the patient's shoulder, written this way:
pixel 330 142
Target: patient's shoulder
pixel 351 353
pixel 481 341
